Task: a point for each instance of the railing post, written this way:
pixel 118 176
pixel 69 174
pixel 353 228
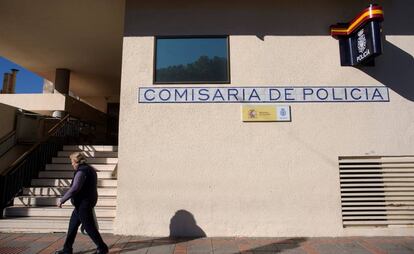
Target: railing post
pixel 28 166
pixel 2 195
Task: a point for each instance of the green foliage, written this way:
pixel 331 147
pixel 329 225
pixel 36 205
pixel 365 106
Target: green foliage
pixel 204 69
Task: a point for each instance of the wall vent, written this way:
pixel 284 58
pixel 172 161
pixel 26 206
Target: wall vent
pixel 377 191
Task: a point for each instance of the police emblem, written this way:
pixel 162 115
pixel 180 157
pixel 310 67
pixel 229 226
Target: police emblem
pixel 362 41
pixel 283 112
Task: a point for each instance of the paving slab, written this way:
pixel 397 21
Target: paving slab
pixel 22 241
pixel 119 245
pixel 395 248
pixel 2 235
pixel 199 246
pixel 39 244
pixel 136 245
pixel 341 248
pixel 409 244
pixel 56 245
pixel 19 243
pixel 12 250
pixel 224 245
pixel 167 248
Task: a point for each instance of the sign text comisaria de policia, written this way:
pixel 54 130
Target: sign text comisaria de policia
pixel 262 94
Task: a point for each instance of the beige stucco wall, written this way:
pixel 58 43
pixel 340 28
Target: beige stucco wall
pixel 47 103
pixel 256 179
pixel 8 118
pixel 101 103
pixel 88 114
pixel 97 102
pixel 35 102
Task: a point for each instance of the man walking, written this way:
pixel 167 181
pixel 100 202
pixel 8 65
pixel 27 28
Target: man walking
pixel 84 195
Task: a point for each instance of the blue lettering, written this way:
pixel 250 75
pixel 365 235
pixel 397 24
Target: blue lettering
pixel 168 93
pixel 145 95
pixel 271 93
pixel 256 95
pixel 262 94
pixel 207 96
pixel 352 93
pixel 288 92
pixel 180 96
pixel 218 94
pixel 229 94
pixel 377 93
pixel 318 94
pixel 307 91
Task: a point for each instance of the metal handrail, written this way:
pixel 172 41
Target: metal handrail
pixel 52 131
pixel 27 166
pixel 7 142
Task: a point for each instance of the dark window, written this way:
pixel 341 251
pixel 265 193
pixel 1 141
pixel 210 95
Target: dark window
pixel 192 60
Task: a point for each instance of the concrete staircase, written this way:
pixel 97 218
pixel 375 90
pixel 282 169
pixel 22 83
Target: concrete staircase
pixel 36 211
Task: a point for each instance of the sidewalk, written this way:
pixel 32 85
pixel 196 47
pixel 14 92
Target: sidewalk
pixel 48 243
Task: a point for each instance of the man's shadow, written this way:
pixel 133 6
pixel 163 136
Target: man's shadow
pixel 184 225
pixel 183 228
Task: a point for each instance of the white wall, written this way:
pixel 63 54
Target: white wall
pixel 35 102
pixel 255 179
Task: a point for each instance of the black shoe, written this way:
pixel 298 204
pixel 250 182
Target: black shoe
pixel 63 251
pixel 104 251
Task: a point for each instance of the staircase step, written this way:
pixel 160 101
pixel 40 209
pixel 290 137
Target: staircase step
pixel 92 148
pixel 68 167
pixel 102 160
pixel 16 211
pixel 90 154
pixel 35 211
pixel 59 191
pixel 47 224
pixel 60 182
pixel 53 201
pixel 69 174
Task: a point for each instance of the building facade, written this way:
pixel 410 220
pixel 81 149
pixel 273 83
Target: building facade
pixel 239 178
pixel 236 117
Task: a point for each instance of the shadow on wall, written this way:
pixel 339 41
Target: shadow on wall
pixel 395 69
pixel 183 224
pixel 243 17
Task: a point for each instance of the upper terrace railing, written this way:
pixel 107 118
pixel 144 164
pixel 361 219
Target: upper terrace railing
pixel 27 166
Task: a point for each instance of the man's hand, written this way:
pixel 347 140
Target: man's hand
pixel 60 204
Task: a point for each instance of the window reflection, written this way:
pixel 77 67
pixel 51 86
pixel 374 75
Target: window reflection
pixel 191 60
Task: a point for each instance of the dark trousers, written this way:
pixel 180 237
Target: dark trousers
pixel 83 214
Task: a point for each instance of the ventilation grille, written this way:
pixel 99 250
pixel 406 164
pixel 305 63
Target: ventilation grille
pixel 377 191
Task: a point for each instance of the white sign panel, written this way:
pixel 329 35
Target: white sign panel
pixel 265 113
pixel 262 94
pixel 283 113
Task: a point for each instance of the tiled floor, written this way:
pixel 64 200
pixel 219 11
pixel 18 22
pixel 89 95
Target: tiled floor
pixel 48 243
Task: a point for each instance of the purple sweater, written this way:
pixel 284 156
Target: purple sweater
pixel 77 183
